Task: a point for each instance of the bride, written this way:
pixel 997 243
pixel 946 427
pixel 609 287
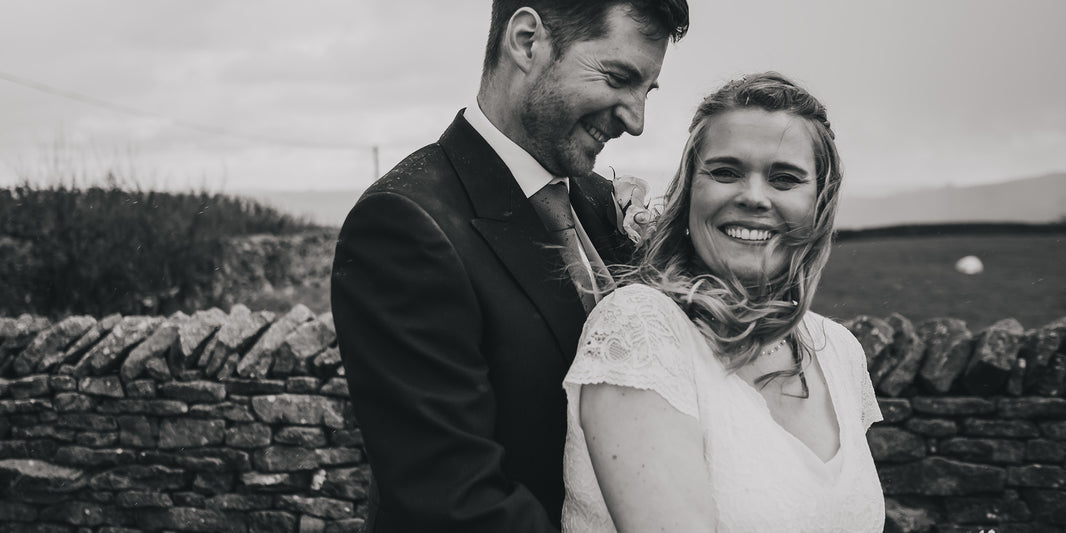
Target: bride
pixel 705 395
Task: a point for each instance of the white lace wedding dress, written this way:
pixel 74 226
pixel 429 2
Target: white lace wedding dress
pixel 763 478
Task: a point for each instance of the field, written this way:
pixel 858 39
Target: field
pixel 1024 278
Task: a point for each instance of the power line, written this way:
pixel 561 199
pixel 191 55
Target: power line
pixel 213 130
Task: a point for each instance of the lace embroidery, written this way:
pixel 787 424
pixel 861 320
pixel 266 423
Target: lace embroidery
pixel 630 340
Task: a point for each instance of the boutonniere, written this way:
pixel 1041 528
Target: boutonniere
pixel 636 218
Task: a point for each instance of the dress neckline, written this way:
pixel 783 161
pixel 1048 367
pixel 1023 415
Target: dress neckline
pixel 764 408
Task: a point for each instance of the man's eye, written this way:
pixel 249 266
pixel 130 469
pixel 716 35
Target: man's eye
pixel 616 80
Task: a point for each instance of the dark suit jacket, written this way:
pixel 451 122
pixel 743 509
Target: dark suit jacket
pixel 456 327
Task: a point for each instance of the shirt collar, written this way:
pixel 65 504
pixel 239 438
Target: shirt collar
pixel 529 174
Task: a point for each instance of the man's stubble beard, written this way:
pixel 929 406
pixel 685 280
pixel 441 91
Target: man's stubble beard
pixel 545 118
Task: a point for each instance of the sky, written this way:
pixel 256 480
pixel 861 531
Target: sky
pixel 281 95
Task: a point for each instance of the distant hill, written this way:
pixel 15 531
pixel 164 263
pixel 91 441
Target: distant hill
pixel 1032 200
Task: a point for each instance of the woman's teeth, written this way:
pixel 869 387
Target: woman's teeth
pixel 746 234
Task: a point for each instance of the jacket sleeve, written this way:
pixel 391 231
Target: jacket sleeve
pixel 409 328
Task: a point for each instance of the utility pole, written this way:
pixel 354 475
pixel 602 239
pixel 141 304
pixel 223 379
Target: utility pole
pixel 377 170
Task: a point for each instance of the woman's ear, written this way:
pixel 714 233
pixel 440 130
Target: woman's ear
pixel 526 40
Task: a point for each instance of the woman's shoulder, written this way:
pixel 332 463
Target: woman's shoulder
pixel 638 294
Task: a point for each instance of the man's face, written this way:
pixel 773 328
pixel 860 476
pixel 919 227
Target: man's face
pixel 595 92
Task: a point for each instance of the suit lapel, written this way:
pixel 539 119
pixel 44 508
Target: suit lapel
pixel 593 202
pixel 511 228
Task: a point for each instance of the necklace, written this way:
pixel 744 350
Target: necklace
pixel 773 349
pixel 797 360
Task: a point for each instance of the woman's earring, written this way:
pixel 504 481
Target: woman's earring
pixel 686 232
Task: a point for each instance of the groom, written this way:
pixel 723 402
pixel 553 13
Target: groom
pixel 456 313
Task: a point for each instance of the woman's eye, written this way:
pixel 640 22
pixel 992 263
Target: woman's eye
pixel 785 181
pixel 724 174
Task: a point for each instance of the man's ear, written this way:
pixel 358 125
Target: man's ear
pixel 526 40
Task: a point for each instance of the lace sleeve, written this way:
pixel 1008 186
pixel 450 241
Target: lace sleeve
pixel 632 339
pixel 871 412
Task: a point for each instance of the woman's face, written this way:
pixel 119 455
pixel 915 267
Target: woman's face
pixel 754 180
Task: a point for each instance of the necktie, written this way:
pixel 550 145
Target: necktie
pixel 552 204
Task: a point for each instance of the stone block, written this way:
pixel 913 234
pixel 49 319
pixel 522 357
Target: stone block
pixel 46 349
pixel 305 436
pixel 337 387
pixel 273 482
pixel 99 330
pixel 193 334
pixel 1054 430
pixel 108 354
pixel 248 436
pixel 1032 407
pixel 236 460
pixel 157 369
pixel 272 522
pixel 97 439
pixel 1045 451
pixel 306 341
pixel 954 406
pixel 1017 429
pixel 301 385
pixel 993 357
pixel 345 525
pixel 108 386
pixel 66 402
pixel 28 449
pixel 42 432
pixel 310 524
pixel 75 513
pixel 1039 348
pixel 299 409
pixel 190 519
pixel 903 358
pixel 987 509
pixel 347 483
pixel 141 388
pixel 17 475
pixel 88 422
pixel 932 427
pixel 16 512
pixel 137 431
pixel 257 362
pixel 1051 382
pixel 213 482
pixel 1047 506
pixel 948 347
pixel 139 499
pixel 202 464
pixel 285 459
pixel 16 335
pixel 62 383
pixel 328 508
pixel 27 406
pixel 90 457
pixel 984 450
pixel 239 502
pixel 346 437
pixel 937 476
pixel 139 477
pixel 190 433
pixel 339 456
pixel 326 364
pixel 156 346
pixel 138 406
pixel 894 410
pixel 875 336
pixel 1016 379
pixel 254 386
pixel 194 391
pixel 30 387
pixel 1037 476
pixel 233 412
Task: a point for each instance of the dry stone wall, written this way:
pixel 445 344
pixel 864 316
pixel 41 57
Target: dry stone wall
pixel 240 422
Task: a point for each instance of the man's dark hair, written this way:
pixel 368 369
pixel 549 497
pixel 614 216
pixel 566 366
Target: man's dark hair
pixel 569 21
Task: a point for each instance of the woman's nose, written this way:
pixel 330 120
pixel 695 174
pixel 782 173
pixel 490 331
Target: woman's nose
pixel 754 195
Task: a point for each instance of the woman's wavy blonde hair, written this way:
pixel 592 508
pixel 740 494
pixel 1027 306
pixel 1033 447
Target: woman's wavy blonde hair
pixel 738 318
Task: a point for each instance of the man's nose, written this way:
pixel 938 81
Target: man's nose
pixel 631 112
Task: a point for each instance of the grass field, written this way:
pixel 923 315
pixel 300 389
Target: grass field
pixel 1024 278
